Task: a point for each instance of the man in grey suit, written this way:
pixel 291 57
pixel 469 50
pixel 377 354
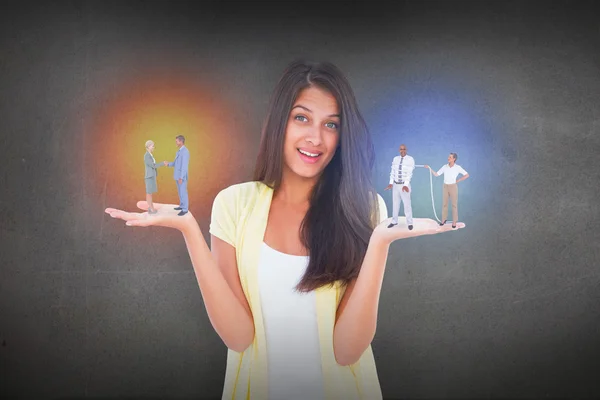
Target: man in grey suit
pixel 182 160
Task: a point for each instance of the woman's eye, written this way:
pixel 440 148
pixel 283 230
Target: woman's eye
pixel 301 118
pixel 331 125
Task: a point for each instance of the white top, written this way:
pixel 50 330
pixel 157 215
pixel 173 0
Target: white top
pixel 291 331
pixel 402 170
pixel 451 173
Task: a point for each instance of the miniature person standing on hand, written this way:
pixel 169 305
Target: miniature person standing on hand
pixel 402 170
pixel 450 172
pixel 182 160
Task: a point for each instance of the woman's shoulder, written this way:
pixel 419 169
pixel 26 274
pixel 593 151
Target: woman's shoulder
pixel 236 200
pixel 244 190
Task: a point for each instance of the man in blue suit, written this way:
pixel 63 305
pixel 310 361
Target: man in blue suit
pixel 182 160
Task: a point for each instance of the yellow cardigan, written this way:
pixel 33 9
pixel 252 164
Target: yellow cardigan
pixel 239 217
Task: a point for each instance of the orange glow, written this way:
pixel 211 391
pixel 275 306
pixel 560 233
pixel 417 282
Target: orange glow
pixel 159 110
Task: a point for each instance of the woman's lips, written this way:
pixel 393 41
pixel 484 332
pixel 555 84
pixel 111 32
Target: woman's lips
pixel 309 159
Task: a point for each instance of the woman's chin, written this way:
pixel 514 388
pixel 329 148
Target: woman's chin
pixel 305 172
pixel 311 176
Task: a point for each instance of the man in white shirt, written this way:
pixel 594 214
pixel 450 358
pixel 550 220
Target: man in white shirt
pixel 450 172
pixel 402 170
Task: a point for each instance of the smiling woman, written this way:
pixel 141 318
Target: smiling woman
pixel 314 112
pixel 304 128
pixel 292 280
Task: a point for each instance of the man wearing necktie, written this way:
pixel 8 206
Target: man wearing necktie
pixel 402 170
pixel 182 160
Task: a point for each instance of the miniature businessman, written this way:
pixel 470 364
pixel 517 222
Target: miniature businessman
pixel 400 176
pixel 182 160
pixel 450 172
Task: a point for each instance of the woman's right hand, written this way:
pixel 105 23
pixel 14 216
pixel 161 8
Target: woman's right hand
pixel 166 216
pixel 222 292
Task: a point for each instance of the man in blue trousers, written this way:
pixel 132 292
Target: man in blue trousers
pixel 182 160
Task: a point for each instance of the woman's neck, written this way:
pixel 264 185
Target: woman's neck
pixel 294 190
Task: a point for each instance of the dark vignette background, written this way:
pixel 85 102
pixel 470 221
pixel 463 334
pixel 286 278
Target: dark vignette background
pixel 509 307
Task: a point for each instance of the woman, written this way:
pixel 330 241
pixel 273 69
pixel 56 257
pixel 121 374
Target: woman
pixel 293 281
pixel 151 166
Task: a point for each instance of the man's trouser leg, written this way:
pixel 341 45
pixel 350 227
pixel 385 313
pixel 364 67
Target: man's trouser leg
pixel 407 205
pixel 445 194
pixel 183 195
pixel 453 191
pixel 178 191
pixel 396 199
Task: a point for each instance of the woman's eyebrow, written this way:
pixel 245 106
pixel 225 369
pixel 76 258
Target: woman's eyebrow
pixel 310 111
pixel 301 106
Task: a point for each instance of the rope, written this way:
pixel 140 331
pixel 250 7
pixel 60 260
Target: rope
pixel 431 188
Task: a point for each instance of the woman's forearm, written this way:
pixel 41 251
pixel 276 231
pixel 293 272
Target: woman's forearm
pixel 356 324
pixel 227 315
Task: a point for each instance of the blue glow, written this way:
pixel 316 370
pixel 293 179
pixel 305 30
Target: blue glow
pixel 433 124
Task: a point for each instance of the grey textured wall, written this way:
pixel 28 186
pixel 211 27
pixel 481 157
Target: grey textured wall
pixel 508 307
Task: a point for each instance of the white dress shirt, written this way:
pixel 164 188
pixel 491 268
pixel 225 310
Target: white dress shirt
pixel 451 173
pixel 402 170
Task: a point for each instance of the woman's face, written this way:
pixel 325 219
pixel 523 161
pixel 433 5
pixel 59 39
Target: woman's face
pixel 151 148
pixel 312 133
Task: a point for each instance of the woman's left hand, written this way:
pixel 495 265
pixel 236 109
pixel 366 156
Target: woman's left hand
pixel 421 226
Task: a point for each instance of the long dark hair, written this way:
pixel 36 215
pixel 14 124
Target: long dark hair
pixel 343 205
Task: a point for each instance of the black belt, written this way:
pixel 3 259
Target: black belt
pixel 399 183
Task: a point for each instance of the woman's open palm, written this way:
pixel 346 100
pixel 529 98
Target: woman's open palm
pixel 166 216
pixel 421 226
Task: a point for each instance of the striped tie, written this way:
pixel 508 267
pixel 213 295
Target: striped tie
pixel 400 171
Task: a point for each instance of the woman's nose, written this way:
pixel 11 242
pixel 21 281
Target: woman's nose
pixel 314 135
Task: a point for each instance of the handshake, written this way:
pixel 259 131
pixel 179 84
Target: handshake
pixel 166 163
